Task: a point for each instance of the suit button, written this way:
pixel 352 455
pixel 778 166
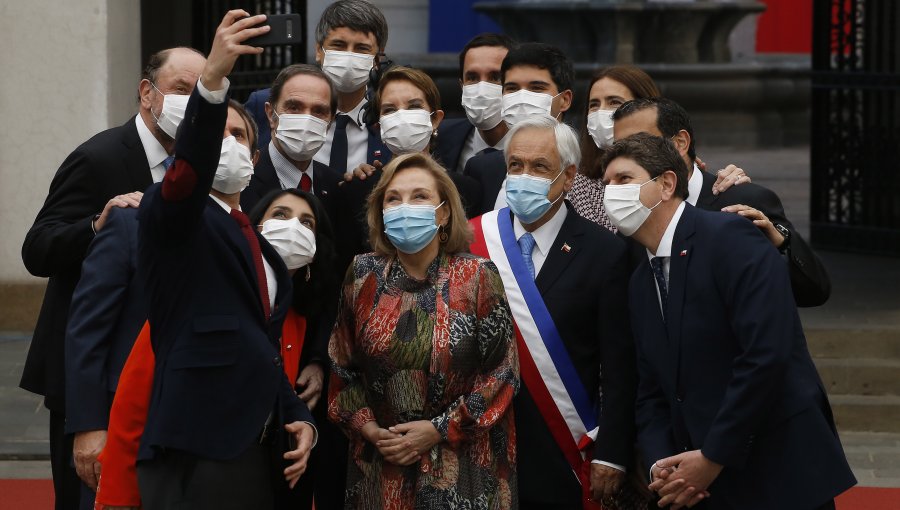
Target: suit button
pixel 277 361
pixel 679 398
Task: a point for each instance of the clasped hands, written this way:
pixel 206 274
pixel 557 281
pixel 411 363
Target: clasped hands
pixel 404 443
pixel 682 480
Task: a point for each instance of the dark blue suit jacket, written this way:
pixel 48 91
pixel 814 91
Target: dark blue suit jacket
pixel 218 369
pixel 256 105
pixel 489 170
pixel 265 179
pixel 583 288
pixel 108 310
pixel 729 371
pixel 452 137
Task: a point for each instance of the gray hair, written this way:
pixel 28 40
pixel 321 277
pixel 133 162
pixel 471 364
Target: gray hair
pixel 566 138
pixel 358 15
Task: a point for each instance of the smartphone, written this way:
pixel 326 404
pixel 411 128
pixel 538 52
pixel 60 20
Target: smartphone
pixel 286 29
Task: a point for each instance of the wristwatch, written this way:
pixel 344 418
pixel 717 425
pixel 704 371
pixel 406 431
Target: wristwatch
pixel 786 233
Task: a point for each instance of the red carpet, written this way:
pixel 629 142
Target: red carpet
pixel 869 498
pixel 38 495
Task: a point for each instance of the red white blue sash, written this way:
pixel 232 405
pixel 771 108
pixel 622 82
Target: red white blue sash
pixel 545 365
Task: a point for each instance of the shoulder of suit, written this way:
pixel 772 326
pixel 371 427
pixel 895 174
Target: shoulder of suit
pixel 257 95
pixel 595 231
pixel 751 194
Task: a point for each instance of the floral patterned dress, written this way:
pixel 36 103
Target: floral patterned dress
pixel 586 197
pixel 438 349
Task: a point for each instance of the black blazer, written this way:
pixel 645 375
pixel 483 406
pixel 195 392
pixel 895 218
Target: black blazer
pixel 809 279
pixel 729 371
pixel 218 369
pixel 452 137
pixel 111 163
pixel 108 310
pixel 265 180
pixel 584 291
pixel 256 105
pixel 489 171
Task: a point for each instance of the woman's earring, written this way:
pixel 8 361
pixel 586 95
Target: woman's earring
pixel 307 272
pixel 443 236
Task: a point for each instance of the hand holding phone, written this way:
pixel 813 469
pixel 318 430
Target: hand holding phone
pixel 285 29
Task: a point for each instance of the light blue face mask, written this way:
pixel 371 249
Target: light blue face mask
pixel 410 227
pixel 526 196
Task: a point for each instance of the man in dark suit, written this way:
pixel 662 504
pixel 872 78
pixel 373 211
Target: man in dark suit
pixel 729 403
pixel 109 170
pixel 287 160
pixel 482 130
pixel 565 277
pixel 350 36
pixel 664 117
pixel 536 68
pixel 108 310
pixel 217 295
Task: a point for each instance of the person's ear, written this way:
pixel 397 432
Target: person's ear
pixel 436 119
pixel 682 141
pixel 145 91
pixel 570 172
pixel 320 54
pixel 270 111
pixel 668 181
pixel 255 157
pixel 565 101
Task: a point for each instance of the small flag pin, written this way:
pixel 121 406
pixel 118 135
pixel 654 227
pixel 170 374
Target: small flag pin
pixel 683 253
pixel 566 248
pixel 377 154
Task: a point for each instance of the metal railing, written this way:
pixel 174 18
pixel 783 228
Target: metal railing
pixel 855 142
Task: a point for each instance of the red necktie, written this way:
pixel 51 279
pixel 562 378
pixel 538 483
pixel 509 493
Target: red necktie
pixel 244 222
pixel 306 182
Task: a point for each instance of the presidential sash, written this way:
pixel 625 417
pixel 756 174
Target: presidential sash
pixel 546 367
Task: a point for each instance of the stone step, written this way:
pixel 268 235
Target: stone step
pixel 860 376
pixel 854 343
pixel 860 413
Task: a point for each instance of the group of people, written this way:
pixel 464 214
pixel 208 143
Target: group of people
pixel 529 318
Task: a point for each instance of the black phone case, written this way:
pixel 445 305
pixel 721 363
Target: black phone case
pixel 286 29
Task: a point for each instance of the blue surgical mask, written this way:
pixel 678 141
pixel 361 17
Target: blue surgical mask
pixel 527 196
pixel 410 227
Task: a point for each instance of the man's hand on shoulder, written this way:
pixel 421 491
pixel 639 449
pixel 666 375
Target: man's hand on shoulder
pixel 729 176
pixel 132 199
pixel 760 220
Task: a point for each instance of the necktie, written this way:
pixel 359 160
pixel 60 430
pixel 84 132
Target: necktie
pixel 656 264
pixel 244 222
pixel 338 159
pixel 526 245
pixel 306 182
pixel 168 162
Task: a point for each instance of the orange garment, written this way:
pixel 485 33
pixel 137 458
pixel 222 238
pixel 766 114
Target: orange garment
pixel 118 477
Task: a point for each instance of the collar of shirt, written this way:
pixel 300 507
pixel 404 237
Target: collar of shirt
pixel 154 151
pixel 222 204
pixel 288 174
pixel 695 185
pixel 665 244
pixel 356 113
pixel 546 233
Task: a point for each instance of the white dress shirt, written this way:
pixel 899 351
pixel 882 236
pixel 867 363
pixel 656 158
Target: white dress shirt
pixel 357 140
pixel 695 185
pixel 476 143
pixel 288 174
pixel 543 237
pixel 154 151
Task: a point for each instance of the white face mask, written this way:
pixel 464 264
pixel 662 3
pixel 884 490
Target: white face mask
pixel 482 104
pixel 600 126
pixel 348 71
pixel 406 131
pixel 624 207
pixel 292 240
pixel 522 104
pixel 300 135
pixel 172 112
pixel 235 167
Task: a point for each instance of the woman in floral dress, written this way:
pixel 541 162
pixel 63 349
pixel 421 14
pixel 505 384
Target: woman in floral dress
pixel 423 357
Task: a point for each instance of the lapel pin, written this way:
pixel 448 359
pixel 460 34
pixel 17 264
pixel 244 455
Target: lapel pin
pixel 324 192
pixel 566 248
pixel 377 154
pixel 683 253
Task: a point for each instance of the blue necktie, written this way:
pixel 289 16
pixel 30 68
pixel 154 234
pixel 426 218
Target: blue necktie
pixel 656 264
pixel 526 245
pixel 168 162
pixel 337 161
